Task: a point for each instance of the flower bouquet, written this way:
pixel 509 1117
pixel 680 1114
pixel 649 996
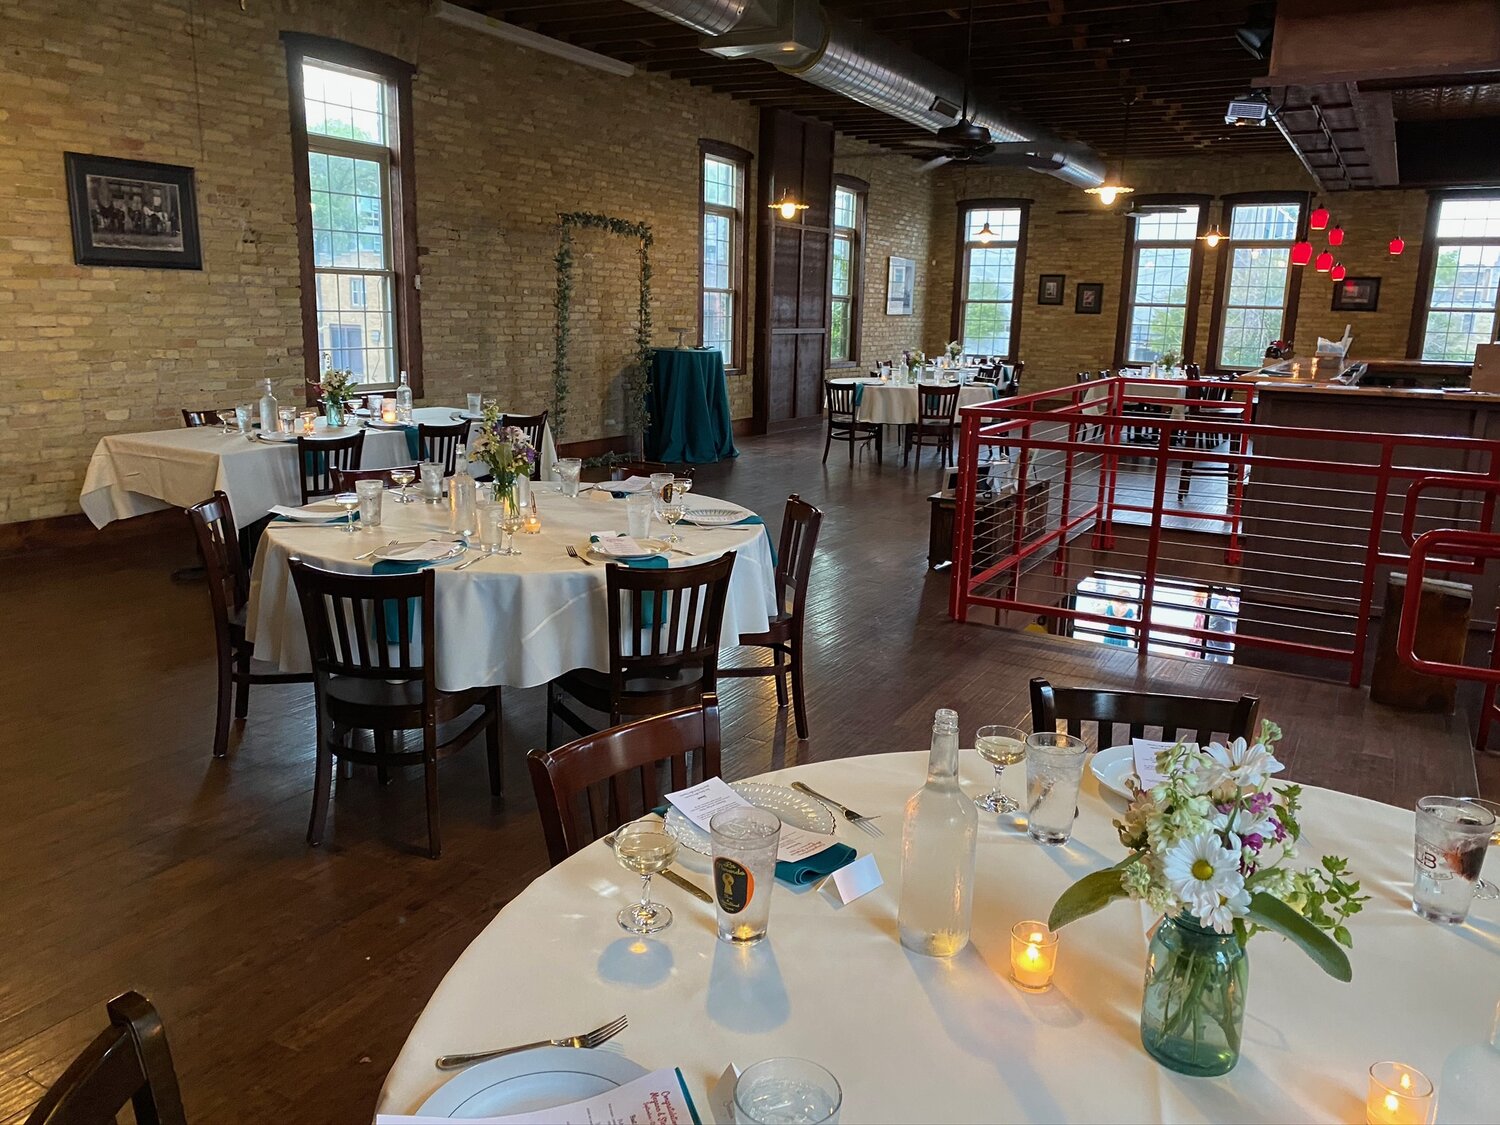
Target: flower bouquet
pixel 505 450
pixel 338 388
pixel 1210 848
pixel 954 349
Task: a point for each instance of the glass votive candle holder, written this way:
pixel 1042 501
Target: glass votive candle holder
pixel 1399 1095
pixel 1033 955
pixel 309 421
pixel 388 413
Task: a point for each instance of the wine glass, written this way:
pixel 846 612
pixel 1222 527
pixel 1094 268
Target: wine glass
pixel 1000 747
pixel 512 516
pixel 645 848
pixel 349 501
pixel 1484 888
pixel 227 417
pixel 672 511
pixel 403 477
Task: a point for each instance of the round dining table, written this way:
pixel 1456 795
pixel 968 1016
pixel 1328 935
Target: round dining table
pixel 895 404
pixel 509 620
pixel 913 1038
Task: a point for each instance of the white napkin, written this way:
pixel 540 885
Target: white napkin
pixel 629 484
pixel 313 513
pixel 618 546
pixel 420 552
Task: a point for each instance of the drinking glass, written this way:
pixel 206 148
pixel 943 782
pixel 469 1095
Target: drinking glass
pixel 374 403
pixel 1484 888
pixel 673 508
pixel 568 470
pixel 403 478
pixel 370 494
pixel 1054 768
pixel 243 413
pixel 787 1092
pixel 475 403
pixel 491 534
pixel 348 501
pixel 432 482
pixel 229 416
pixel 288 420
pixel 1000 747
pixel 1452 835
pixel 645 848
pixel 638 514
pixel 659 483
pixel 512 516
pixel 745 839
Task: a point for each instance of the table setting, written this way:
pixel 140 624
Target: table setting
pixel 1002 966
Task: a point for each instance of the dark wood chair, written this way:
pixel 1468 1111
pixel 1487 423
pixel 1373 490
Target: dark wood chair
pixel 344 480
pixel 192 419
pixel 229 591
pixel 535 425
pixel 1083 377
pixel 129 1062
pixel 373 644
pixel 440 443
pixel 937 413
pixel 1186 715
pixel 584 790
pixel 800 524
pixel 319 457
pixel 664 629
pixel 1211 404
pixel 844 423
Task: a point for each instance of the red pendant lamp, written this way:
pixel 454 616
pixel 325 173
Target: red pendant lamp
pixel 1397 245
pixel 1318 220
pixel 1324 262
pixel 1302 253
pixel 1335 236
pixel 1338 272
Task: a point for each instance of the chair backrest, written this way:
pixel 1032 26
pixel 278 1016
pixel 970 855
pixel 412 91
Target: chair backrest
pixel 646 468
pixel 1104 373
pixel 800 524
pixel 194 418
pixel 440 443
pixel 219 547
pixel 1083 377
pixel 988 373
pixel 1192 371
pixel 840 398
pixel 128 1062
pixel 937 406
pixel 679 629
pixel 535 426
pixel 1018 370
pixel 369 626
pixel 320 456
pixel 584 789
pixel 345 479
pixel 1189 716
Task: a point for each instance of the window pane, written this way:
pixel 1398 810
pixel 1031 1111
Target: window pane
pixel 1454 336
pixel 1266 222
pixel 340 104
pixel 355 326
pixel 1246 334
pixel 1155 331
pixel 1469 218
pixel 1005 223
pixel 992 273
pixel 718 323
pixel 717 250
pixel 721 179
pixel 845 208
pixel 1257 276
pixel 986 328
pixel 348 224
pixel 838 330
pixel 842 275
pixel 1164 227
pixel 1161 275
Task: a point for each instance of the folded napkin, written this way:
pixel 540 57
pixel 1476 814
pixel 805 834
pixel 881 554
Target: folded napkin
pixel 650 562
pixel 313 513
pixel 820 865
pixel 622 488
pixel 413 442
pixel 750 521
pixel 617 546
pixel 429 551
pixel 412 560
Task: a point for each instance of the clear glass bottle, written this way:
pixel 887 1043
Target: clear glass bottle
pixel 403 400
pixel 938 836
pixel 462 495
pixel 269 422
pixel 1469 1090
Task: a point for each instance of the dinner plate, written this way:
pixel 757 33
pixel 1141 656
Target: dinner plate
pixel 530 1081
pixel 1113 767
pixel 797 809
pixel 377 424
pixel 277 437
pixel 653 547
pixel 314 513
pixel 714 517
pixel 393 553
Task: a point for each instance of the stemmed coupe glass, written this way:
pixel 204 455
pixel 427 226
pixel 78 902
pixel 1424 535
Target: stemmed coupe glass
pixel 1000 747
pixel 403 477
pixel 644 847
pixel 349 501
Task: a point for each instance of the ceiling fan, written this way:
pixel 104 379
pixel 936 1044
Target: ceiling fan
pixel 964 141
pixel 1127 210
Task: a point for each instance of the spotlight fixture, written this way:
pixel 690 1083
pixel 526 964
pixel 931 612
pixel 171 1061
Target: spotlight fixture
pixel 788 206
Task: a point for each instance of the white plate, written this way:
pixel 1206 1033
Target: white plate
pixel 313 513
pixel 393 552
pixel 377 424
pixel 1113 767
pixel 653 547
pixel 714 517
pixel 530 1081
pixel 797 809
pixel 278 437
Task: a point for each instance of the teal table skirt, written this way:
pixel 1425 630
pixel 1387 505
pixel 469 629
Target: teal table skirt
pixel 688 401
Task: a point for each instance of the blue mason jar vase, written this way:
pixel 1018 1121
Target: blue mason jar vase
pixel 1193 1012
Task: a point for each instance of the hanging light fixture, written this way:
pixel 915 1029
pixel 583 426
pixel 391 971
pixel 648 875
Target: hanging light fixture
pixel 1338 272
pixel 1324 262
pixel 986 234
pixel 1302 253
pixel 1397 245
pixel 1318 220
pixel 1111 189
pixel 1213 237
pixel 788 206
pixel 1335 236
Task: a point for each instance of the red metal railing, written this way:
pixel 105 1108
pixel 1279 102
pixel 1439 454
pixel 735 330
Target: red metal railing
pixel 1115 483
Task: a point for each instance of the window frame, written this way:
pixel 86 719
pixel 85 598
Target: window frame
pixel 739 266
pixel 962 247
pixel 1427 271
pixel 1204 203
pixel 401 179
pixel 1227 204
pixel 860 189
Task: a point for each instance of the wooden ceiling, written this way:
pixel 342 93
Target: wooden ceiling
pixel 1067 65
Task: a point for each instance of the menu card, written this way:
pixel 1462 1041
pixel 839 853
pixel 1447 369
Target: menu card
pixel 700 802
pixel 1146 750
pixel 658 1098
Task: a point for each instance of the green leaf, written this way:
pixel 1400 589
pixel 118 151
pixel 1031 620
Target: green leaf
pixel 1093 892
pixel 1276 915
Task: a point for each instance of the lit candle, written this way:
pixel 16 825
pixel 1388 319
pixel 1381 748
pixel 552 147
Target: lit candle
pixel 1033 955
pixel 1399 1095
pixel 532 524
pixel 309 420
pixel 388 412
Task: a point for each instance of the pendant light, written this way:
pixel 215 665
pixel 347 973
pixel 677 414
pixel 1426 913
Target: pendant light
pixel 1335 236
pixel 1318 220
pixel 986 235
pixel 1302 253
pixel 1397 245
pixel 788 206
pixel 1112 189
pixel 1324 262
pixel 1213 237
pixel 1338 272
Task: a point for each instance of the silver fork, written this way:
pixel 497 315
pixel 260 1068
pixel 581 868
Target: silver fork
pixel 600 1034
pixel 866 823
pixel 372 551
pixel 573 551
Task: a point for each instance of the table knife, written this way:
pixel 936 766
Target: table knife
pixel 673 878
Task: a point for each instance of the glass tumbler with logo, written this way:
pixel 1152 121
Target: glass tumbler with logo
pixel 744 869
pixel 1452 835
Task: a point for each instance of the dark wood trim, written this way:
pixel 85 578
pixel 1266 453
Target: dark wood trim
pixel 860 188
pixel 1204 203
pixel 407 314
pixel 741 157
pixel 960 259
pixel 1226 250
pixel 765 252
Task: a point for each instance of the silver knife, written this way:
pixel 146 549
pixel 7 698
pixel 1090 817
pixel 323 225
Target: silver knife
pixel 675 879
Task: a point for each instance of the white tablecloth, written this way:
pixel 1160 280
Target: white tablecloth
pixel 517 621
pixel 916 1039
pixel 1171 392
pixel 132 474
pixel 890 404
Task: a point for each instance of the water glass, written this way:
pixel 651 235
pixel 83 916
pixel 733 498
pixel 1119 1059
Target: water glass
pixel 638 507
pixel 1054 769
pixel 491 533
pixel 475 403
pixel 375 403
pixel 243 414
pixel 568 470
pixel 432 481
pixel 745 839
pixel 288 419
pixel 1452 835
pixel 371 493
pixel 792 1091
pixel 659 484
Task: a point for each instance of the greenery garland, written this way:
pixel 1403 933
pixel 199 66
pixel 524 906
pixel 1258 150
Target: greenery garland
pixel 636 377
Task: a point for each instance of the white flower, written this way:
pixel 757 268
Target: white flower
pixel 1201 872
pixel 1224 909
pixel 1239 765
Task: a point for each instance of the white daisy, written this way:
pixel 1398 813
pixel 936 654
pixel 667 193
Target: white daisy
pixel 1238 764
pixel 1226 907
pixel 1200 869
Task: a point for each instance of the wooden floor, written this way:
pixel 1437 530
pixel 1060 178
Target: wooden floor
pixel 289 977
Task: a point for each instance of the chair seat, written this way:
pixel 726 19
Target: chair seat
pixel 778 632
pixel 383 705
pixel 592 688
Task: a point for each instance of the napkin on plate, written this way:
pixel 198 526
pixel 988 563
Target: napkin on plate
pixel 313 513
pixel 419 552
pixel 616 546
pixel 610 542
pixel 817 866
pixel 409 561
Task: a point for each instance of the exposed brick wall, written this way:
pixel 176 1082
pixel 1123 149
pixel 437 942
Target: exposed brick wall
pixel 505 139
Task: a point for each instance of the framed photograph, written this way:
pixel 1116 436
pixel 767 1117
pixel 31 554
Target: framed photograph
pixel 900 287
pixel 132 213
pixel 1357 294
pixel 1090 298
pixel 1049 288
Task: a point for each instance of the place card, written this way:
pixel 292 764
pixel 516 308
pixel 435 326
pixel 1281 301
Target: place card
pixel 721 1097
pixel 1145 750
pixel 852 881
pixel 661 1095
pixel 700 802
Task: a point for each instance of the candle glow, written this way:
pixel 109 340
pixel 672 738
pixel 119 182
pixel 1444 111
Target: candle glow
pixel 1398 1095
pixel 1033 956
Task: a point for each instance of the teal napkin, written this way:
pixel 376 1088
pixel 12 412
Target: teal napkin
pixel 413 443
pixel 396 566
pixel 817 866
pixel 859 394
pixel 655 562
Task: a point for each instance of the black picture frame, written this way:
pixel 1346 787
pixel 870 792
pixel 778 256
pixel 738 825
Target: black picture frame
pixel 1356 294
pixel 1089 299
pixel 132 213
pixel 1050 288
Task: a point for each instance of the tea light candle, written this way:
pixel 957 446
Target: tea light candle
pixel 388 412
pixel 309 421
pixel 1033 955
pixel 1399 1095
pixel 532 524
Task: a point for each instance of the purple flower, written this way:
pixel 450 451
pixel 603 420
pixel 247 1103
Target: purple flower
pixel 1261 802
pixel 1280 829
pixel 1253 841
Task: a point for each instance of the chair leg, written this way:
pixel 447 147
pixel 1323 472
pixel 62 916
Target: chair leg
pixel 429 770
pixel 221 715
pixel 322 787
pixel 799 695
pixel 778 660
pixel 880 444
pixel 241 683
pixel 827 443
pixel 906 446
pixel 493 742
pixel 853 441
pixel 551 705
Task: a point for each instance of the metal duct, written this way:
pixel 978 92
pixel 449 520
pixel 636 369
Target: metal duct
pixel 706 17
